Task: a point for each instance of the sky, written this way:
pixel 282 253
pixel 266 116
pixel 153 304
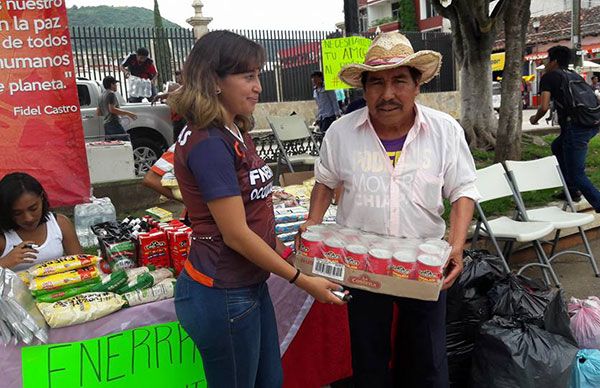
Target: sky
pixel 244 14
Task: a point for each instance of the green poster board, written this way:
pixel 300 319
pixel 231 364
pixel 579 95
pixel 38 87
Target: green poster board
pixel 157 356
pixel 338 53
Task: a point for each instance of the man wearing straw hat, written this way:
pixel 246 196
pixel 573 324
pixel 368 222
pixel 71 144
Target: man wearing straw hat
pixel 397 160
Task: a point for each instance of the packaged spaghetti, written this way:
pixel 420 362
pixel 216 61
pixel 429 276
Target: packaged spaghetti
pixel 63 264
pixel 163 290
pixel 63 279
pixel 81 308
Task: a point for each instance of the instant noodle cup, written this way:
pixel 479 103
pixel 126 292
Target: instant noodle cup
pixel 350 236
pixel 371 239
pixel 321 229
pixel 333 250
pixel 429 268
pixel 430 249
pixel 357 256
pixel 403 264
pixel 441 244
pixel 379 260
pixel 311 244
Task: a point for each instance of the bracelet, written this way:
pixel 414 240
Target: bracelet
pixel 287 252
pixel 292 280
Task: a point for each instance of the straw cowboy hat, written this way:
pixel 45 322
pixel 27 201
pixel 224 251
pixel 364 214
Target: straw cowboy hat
pixel 388 51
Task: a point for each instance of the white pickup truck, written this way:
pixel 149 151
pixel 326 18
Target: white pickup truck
pixel 150 134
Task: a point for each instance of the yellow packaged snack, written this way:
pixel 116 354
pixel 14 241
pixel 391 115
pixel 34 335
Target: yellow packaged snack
pixel 62 279
pixel 63 264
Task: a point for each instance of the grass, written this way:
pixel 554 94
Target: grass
pixel 532 151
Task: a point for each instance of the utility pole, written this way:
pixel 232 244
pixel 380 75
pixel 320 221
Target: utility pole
pixel 576 32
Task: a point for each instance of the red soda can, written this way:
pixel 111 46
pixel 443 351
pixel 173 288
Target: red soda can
pixel 333 250
pixel 357 256
pixel 379 261
pixel 311 244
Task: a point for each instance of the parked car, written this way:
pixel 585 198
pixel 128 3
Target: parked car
pixel 496 94
pixel 150 134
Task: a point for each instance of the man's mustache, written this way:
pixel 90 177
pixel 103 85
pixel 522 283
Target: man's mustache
pixel 389 104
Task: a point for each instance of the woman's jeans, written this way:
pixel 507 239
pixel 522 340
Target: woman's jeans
pixel 570 148
pixel 235 332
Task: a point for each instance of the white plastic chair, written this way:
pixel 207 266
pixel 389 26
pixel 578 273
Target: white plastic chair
pixel 492 183
pixel 290 132
pixel 543 174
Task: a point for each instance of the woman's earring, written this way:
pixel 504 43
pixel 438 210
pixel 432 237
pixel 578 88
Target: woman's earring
pixel 218 91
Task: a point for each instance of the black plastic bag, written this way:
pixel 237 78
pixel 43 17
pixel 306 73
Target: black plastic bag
pixel 512 353
pixel 520 298
pixel 467 307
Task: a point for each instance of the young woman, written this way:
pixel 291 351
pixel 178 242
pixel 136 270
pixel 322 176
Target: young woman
pixel 221 298
pixel 31 233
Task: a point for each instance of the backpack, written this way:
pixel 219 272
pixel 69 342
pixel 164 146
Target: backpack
pixel 582 105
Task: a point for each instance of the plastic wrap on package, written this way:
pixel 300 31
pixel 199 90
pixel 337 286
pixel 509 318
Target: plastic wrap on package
pixel 22 320
pixel 81 308
pixel 163 290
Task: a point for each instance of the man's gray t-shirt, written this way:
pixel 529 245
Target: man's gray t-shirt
pixel 108 98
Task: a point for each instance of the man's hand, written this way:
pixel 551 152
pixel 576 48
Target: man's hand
pixel 454 267
pixel 303 228
pixel 127 73
pixel 533 120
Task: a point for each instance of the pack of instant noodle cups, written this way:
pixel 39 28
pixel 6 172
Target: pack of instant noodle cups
pixel 389 265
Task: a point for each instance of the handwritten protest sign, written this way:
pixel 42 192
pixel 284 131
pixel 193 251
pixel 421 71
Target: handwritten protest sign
pixel 155 356
pixel 338 53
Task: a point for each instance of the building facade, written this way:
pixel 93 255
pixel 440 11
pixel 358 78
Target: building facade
pixel 383 14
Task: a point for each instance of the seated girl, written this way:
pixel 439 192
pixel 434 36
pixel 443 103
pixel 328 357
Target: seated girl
pixel 31 234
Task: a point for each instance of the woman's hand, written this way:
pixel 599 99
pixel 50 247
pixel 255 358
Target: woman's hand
pixel 319 288
pixel 20 254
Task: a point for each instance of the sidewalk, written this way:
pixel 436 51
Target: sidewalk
pixel 542 125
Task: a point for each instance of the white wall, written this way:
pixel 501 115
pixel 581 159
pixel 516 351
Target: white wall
pixel 545 7
pixel 379 10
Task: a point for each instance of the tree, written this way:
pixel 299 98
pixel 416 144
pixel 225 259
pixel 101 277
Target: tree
pixel 474 30
pixel 162 52
pixel 508 139
pixel 407 16
pixel 473 35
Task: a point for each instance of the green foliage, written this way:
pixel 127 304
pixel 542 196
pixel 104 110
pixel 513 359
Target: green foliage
pixel 505 206
pixel 162 52
pixel 105 16
pixel 407 16
pixel 378 22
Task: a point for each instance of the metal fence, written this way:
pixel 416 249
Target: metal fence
pixel 291 56
pixel 99 51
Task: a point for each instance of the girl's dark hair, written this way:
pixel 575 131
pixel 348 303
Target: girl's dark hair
pixel 12 186
pixel 216 55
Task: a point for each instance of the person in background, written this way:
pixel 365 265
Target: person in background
pixel 108 107
pixel 139 64
pixel 31 233
pixel 595 84
pixel 328 109
pixel 162 167
pixel 221 298
pixel 571 146
pixel 177 120
pixel 340 94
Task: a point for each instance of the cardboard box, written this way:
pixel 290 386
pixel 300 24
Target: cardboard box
pixel 380 284
pixel 295 178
